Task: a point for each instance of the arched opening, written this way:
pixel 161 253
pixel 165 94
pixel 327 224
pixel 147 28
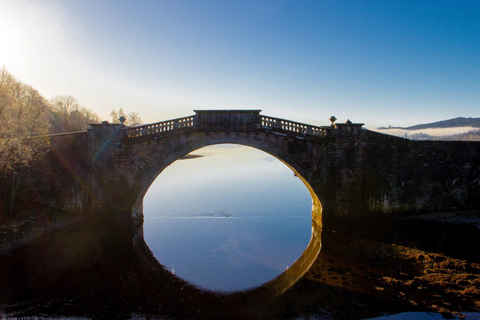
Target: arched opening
pixel 229 217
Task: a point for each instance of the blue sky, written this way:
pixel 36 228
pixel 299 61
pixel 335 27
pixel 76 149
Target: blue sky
pixel 379 62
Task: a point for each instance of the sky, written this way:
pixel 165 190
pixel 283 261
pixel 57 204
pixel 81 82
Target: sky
pixel 381 63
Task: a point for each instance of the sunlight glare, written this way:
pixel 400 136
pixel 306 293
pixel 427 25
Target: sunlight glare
pixel 28 30
pixel 11 47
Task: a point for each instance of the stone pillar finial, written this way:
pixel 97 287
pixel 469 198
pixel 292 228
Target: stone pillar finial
pixel 332 120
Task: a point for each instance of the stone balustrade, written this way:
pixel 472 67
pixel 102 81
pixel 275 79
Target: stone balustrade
pixel 287 125
pixel 241 120
pixel 161 127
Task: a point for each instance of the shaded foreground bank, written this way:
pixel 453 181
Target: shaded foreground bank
pixel 98 269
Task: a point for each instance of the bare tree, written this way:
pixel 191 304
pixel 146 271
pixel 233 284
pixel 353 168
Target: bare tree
pixel 69 116
pixel 81 118
pixel 25 116
pixel 23 134
pixel 89 116
pixel 115 115
pixel 133 119
pixel 27 119
pixel 62 107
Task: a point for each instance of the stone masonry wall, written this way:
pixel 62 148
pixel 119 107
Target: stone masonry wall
pixel 421 176
pixel 352 175
pixel 64 172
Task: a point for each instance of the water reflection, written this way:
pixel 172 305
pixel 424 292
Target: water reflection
pixel 228 218
pixel 97 269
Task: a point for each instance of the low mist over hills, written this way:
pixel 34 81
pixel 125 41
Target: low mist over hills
pixel 452 123
pixel 458 129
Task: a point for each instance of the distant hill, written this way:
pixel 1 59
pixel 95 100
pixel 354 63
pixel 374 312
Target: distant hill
pixel 457 129
pixel 452 123
pixel 456 122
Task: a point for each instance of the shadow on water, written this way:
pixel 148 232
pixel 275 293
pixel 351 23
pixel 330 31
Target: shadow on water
pixel 452 239
pixel 98 269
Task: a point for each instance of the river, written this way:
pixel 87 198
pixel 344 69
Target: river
pixel 228 233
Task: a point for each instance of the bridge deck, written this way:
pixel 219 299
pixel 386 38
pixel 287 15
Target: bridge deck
pixel 260 122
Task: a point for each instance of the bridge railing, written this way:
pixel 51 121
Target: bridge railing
pixel 297 127
pixel 189 122
pixel 161 127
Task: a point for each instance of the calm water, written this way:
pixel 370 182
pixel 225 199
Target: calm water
pixel 231 219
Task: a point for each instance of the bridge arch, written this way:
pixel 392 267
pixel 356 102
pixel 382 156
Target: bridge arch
pixel 354 172
pixel 162 154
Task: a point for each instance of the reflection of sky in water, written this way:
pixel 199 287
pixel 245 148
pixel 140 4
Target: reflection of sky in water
pixel 231 220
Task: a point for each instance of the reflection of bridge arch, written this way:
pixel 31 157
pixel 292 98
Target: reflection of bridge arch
pixel 259 294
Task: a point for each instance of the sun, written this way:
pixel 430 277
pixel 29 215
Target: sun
pixel 11 44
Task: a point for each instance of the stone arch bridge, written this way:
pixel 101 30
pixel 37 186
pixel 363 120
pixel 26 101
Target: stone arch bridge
pixel 350 171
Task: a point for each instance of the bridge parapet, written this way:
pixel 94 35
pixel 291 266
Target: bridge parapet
pixel 349 129
pixel 297 127
pixel 227 120
pixel 161 127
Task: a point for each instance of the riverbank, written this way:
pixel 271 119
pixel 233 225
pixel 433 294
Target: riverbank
pixel 30 226
pixel 422 262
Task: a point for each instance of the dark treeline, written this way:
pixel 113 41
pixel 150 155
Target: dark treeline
pixel 27 120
